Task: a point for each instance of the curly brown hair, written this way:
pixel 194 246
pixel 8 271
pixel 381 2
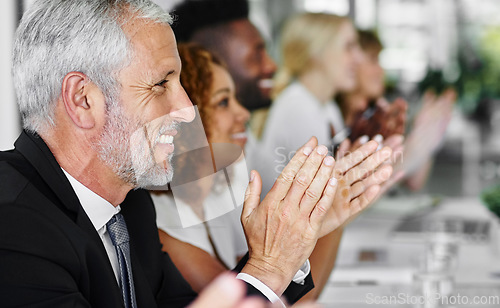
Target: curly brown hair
pixel 197 79
pixel 197 76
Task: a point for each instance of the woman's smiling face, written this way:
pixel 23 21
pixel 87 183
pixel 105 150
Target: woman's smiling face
pixel 226 116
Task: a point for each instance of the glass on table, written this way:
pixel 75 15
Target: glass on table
pixel 432 289
pixel 442 243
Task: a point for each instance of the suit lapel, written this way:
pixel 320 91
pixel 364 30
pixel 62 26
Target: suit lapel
pixel 34 149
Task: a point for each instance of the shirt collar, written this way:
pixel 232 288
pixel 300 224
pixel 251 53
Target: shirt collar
pixel 98 209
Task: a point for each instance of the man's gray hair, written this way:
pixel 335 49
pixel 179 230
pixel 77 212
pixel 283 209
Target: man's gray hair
pixel 56 37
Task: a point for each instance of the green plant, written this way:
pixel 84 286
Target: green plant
pixel 491 198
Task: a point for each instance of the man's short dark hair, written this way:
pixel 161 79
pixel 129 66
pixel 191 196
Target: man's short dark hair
pixel 192 15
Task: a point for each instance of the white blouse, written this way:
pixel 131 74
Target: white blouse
pixel 222 217
pixel 295 116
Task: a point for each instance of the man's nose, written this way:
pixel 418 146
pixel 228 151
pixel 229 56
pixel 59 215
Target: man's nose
pixel 184 109
pixel 269 66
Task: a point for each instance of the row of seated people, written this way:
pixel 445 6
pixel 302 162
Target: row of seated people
pixel 101 123
pixel 329 84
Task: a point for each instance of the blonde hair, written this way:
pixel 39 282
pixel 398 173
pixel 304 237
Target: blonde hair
pixel 304 36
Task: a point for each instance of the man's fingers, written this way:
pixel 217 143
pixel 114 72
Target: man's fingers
pixel 397 176
pixel 359 142
pixel 252 194
pixel 285 179
pixel 394 141
pixel 354 158
pixel 368 166
pixel 325 203
pixel 376 178
pixel 343 148
pixel 315 190
pixel 363 200
pixel 306 175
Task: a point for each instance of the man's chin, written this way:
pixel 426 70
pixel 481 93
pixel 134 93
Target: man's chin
pixel 155 180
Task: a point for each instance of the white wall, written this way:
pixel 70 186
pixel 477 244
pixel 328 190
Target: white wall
pixel 167 5
pixel 9 116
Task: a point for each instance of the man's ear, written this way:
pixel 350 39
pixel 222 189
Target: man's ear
pixel 77 103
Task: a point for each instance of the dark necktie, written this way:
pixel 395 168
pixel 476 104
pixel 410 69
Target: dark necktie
pixel 117 229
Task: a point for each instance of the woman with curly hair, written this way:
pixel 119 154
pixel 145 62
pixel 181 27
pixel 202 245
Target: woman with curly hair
pixel 202 231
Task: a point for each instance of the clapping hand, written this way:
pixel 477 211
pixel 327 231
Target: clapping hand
pixel 360 175
pixel 282 230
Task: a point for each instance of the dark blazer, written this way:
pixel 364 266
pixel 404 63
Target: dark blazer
pixel 51 254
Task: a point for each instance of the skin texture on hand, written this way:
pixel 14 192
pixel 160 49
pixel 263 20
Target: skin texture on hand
pixel 324 254
pixel 359 176
pixel 282 230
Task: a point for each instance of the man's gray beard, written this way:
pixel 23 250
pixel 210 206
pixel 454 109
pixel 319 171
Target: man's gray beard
pixel 130 163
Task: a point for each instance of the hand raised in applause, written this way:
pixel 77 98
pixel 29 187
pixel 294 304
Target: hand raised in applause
pixel 360 175
pixel 282 230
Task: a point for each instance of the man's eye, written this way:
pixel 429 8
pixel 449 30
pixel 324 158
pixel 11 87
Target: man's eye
pixel 162 83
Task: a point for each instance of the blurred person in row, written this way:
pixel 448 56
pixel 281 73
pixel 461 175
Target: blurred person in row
pixel 207 248
pixel 320 54
pixel 223 27
pixel 429 126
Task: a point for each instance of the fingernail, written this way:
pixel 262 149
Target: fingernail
pixel 364 139
pixel 321 150
pixel 329 161
pixel 307 151
pixel 252 176
pixel 378 138
pixel 332 182
pixel 386 174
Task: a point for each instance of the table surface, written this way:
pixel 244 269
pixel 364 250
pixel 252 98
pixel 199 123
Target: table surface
pixel 393 260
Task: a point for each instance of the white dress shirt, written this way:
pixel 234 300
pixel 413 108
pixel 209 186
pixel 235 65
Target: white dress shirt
pixel 100 212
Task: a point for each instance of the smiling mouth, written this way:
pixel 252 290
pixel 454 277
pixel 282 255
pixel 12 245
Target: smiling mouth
pixel 266 83
pixel 166 135
pixel 242 135
pixel 165 139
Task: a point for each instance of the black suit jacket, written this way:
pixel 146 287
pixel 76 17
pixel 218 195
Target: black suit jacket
pixel 51 254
